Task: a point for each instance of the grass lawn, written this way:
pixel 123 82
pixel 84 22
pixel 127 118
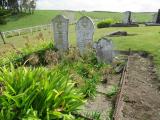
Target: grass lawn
pixel 141 39
pixel 45 16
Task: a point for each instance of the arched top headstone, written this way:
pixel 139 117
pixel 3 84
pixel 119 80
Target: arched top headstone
pixel 85 30
pixel 85 23
pixel 60 28
pixel 60 18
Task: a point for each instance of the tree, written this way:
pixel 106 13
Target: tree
pixel 18 5
pixel 28 5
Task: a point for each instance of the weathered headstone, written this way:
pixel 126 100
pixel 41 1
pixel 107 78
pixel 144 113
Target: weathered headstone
pixel 158 17
pixel 154 18
pixel 127 17
pixel 60 27
pixel 85 31
pixel 104 50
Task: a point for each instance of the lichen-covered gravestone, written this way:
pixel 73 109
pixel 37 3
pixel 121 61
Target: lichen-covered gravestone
pixel 60 28
pixel 127 17
pixel 104 50
pixel 85 31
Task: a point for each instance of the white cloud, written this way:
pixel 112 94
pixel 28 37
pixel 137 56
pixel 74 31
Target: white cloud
pixel 102 5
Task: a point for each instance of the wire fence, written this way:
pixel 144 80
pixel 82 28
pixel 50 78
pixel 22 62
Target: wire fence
pixel 23 31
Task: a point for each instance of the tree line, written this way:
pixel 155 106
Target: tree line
pixel 18 6
pixel 11 7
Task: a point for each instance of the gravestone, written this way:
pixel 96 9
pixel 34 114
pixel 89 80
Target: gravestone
pixel 60 28
pixel 127 17
pixel 85 31
pixel 104 50
pixel 154 18
pixel 158 17
pixel 155 21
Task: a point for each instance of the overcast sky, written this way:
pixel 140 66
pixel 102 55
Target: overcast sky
pixel 102 5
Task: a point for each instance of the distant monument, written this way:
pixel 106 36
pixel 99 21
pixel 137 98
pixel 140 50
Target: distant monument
pixel 155 21
pixel 158 17
pixel 60 28
pixel 154 18
pixel 126 21
pixel 127 17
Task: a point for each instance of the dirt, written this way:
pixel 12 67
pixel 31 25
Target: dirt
pixel 140 95
pixel 101 103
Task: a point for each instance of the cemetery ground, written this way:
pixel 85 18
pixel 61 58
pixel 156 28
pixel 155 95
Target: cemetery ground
pixel 39 76
pixel 144 39
pixel 139 39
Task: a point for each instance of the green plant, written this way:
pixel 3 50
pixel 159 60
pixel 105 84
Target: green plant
pixel 112 91
pixel 89 89
pixel 110 114
pixel 96 115
pixel 36 94
pixel 105 23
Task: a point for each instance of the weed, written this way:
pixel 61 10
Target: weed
pixel 112 91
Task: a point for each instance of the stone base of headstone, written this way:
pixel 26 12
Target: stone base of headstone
pixel 152 24
pixel 125 25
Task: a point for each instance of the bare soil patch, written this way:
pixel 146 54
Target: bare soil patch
pixel 140 95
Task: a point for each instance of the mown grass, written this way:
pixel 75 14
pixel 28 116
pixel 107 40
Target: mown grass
pixel 140 39
pixel 45 16
pixel 38 18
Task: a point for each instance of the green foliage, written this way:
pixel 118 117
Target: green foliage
pixel 26 51
pixel 105 23
pixel 110 114
pixel 89 90
pixel 112 91
pixel 3 15
pixel 2 20
pixel 37 94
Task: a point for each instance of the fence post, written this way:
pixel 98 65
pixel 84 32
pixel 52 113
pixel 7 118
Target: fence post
pixel 19 32
pixel 2 37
